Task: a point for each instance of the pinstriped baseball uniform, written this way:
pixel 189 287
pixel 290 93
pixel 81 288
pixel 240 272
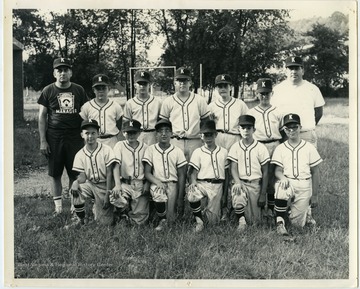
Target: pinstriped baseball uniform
pixel 249 160
pixel 147 113
pixel 185 118
pixel 106 116
pixel 296 163
pixel 268 123
pixel 94 165
pixel 211 165
pixel 132 170
pixel 165 165
pixel 226 118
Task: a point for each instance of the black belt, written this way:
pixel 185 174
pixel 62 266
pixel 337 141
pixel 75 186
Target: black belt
pixel 213 181
pixel 182 138
pixel 298 179
pixel 175 182
pixel 220 130
pixel 106 136
pixel 148 130
pixel 269 141
pixel 128 181
pixel 251 181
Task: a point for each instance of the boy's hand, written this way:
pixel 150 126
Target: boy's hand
pixel 74 190
pixel 313 202
pixel 237 188
pixel 116 191
pixel 45 149
pixel 284 183
pixel 180 209
pixel 192 186
pixel 261 200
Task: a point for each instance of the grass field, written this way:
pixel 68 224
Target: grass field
pixel 43 249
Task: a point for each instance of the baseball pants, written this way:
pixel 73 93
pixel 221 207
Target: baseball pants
pixel 300 205
pixel 169 196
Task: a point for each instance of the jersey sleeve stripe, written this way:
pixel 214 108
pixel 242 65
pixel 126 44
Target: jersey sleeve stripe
pixel 163 116
pixel 265 161
pixel 316 162
pixel 232 159
pixel 78 170
pixel 110 162
pixel 181 164
pixel 194 166
pixel 277 163
pixel 148 162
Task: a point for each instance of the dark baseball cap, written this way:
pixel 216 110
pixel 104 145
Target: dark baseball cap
pixel 223 78
pixel 208 126
pixel 100 79
pixel 131 125
pixel 89 123
pixel 163 122
pixel 246 119
pixel 142 75
pixel 61 62
pixel 291 118
pixel 182 73
pixel 264 85
pixel 293 61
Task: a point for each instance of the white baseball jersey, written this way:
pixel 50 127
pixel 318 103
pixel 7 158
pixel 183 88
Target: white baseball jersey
pixel 165 163
pixel 210 164
pixel 106 116
pixel 94 164
pixel 296 162
pixel 249 159
pixel 227 114
pixel 146 112
pixel 300 99
pixel 267 123
pixel 185 116
pixel 130 159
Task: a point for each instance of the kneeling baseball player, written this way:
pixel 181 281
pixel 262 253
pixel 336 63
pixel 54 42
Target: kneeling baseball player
pixel 297 175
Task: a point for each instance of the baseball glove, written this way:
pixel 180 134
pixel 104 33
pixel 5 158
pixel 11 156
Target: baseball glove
pixel 159 195
pixel 194 195
pixel 283 194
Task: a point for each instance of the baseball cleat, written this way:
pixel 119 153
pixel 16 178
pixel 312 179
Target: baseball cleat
pixel 58 211
pixel 75 223
pixel 199 225
pixel 242 225
pixel 281 230
pixel 310 220
pixel 162 225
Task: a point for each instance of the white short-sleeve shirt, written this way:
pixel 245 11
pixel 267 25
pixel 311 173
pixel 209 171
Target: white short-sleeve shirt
pixel 227 114
pixel 146 112
pixel 300 99
pixel 106 116
pixel 296 161
pixel 185 116
pixel 210 164
pixel 130 159
pixel 94 164
pixel 165 162
pixel 249 159
pixel 267 123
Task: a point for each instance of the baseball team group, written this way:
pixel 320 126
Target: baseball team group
pixel 221 159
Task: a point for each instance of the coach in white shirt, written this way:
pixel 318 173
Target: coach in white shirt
pixel 299 96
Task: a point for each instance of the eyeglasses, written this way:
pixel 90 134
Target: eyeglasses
pixel 100 87
pixel 291 128
pixel 222 85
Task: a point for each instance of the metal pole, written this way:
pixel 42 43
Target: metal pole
pixel 200 88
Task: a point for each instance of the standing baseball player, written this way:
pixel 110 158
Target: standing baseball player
pixel 225 110
pixel 249 169
pixel 268 120
pixel 144 107
pixel 131 188
pixel 165 169
pixel 59 126
pixel 209 177
pixel 104 110
pixel 95 164
pixel 297 175
pixel 185 110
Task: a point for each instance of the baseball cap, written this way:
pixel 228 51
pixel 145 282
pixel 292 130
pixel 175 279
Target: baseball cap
pixel 293 61
pixel 89 122
pixel 163 122
pixel 182 73
pixel 61 62
pixel 264 85
pixel 208 126
pixel 291 118
pixel 100 79
pixel 131 125
pixel 246 119
pixel 223 78
pixel 142 75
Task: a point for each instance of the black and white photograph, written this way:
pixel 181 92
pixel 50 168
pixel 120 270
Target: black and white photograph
pixel 194 144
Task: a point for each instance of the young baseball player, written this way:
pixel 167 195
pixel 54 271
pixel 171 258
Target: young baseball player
pixel 297 175
pixel 94 162
pixel 165 169
pixel 104 110
pixel 268 124
pixel 185 110
pixel 226 110
pixel 208 177
pixel 144 107
pixel 249 169
pixel 130 185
